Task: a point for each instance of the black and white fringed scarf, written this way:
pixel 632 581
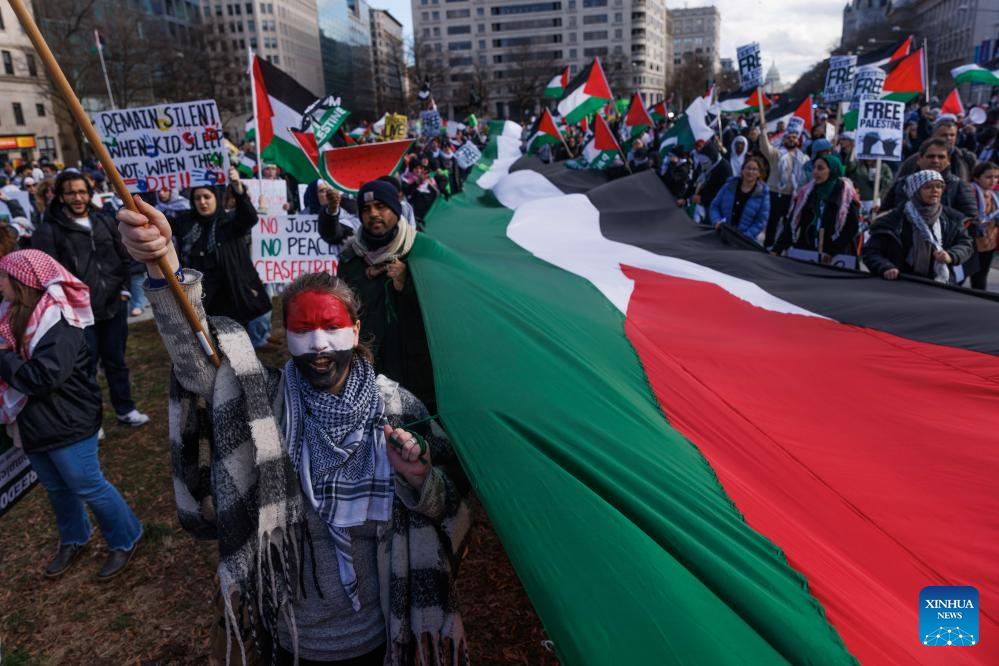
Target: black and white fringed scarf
pixel 240 488
pixel 338 445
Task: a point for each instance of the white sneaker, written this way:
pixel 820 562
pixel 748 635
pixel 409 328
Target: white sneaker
pixel 134 418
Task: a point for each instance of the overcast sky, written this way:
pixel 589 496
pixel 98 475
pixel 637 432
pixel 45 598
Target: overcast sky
pixel 795 33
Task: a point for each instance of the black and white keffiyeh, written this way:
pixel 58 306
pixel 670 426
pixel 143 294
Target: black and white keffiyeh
pixel 337 444
pixel 925 219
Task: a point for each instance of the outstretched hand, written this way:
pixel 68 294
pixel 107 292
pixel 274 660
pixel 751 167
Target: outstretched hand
pixel 146 235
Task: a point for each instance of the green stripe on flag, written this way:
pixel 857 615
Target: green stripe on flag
pixel 590 105
pixel 291 159
pixel 627 545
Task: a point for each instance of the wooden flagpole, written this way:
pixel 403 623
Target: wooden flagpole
pixel 31 29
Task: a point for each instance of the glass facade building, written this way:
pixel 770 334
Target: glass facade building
pixel 345 45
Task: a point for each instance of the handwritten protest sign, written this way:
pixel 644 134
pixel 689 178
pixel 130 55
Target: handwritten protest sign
pixel 879 130
pixel 839 78
pixel 396 126
pixel 431 123
pixel 467 155
pixel 750 66
pixel 268 196
pixel 168 146
pixel 867 85
pixel 284 247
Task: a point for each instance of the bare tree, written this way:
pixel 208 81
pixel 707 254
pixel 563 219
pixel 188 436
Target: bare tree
pixel 526 82
pixel 430 66
pixel 691 77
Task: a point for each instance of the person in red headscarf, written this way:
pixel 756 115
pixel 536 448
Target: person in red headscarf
pixel 51 405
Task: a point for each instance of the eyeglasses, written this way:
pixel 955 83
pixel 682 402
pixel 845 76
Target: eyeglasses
pixel 76 193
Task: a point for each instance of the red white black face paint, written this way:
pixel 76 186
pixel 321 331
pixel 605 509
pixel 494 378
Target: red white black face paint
pixel 321 338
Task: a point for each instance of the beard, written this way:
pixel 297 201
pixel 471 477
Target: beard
pixel 325 369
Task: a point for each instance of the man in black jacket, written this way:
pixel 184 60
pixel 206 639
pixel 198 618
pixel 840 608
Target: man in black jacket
pixel 958 195
pixel 374 264
pixel 85 240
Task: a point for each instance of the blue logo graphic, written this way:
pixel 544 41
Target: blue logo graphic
pixel 948 615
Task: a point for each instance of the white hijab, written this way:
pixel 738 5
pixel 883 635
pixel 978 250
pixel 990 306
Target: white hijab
pixel 737 159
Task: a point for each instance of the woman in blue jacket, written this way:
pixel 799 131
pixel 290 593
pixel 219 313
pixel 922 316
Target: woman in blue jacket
pixel 744 201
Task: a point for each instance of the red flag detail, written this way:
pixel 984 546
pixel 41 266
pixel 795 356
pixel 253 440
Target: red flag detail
pixel 902 50
pixel 565 77
pixel 262 112
pixel 596 84
pixel 548 126
pixel 603 138
pixel 953 104
pixel 908 75
pixel 637 115
pixel 804 111
pixel 349 168
pixel 754 99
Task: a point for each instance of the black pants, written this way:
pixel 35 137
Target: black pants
pixel 780 204
pixel 373 658
pixel 981 277
pixel 106 340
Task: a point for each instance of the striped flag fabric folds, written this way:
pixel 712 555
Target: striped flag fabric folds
pixel 697 453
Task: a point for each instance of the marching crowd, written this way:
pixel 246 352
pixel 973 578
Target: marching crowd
pixel 807 195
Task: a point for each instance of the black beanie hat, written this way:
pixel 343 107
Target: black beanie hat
pixel 379 190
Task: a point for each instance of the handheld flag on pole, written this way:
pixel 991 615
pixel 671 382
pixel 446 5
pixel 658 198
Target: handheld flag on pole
pixel 953 104
pixel 557 85
pixel 637 120
pixel 586 93
pixel 601 150
pixel 83 120
pixel 658 111
pixel 544 131
pixel 975 74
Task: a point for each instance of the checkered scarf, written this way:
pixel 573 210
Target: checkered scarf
pixel 337 444
pixel 233 482
pixel 65 298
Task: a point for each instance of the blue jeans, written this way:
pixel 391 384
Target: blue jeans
pixel 260 329
pixel 138 299
pixel 72 476
pixel 106 340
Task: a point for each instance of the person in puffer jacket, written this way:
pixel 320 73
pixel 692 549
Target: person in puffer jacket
pixel 744 201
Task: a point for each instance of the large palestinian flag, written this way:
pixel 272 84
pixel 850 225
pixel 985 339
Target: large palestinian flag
pixel 279 104
pixel 696 453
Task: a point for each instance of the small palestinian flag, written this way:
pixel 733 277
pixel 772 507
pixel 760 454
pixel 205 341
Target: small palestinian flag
pixel 424 91
pixel 600 152
pixel 544 131
pixel 903 50
pixel 556 87
pixel 737 102
pixel 659 111
pixel 800 121
pixel 637 120
pixel 280 106
pixel 952 104
pixel 689 129
pixel 586 93
pixel 975 74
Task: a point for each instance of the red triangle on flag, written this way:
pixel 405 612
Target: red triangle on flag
pixel 754 99
pixel 908 75
pixel 902 50
pixel 603 138
pixel 660 108
pixel 596 84
pixel 584 124
pixel 565 77
pixel 804 111
pixel 637 115
pixel 952 104
pixel 548 126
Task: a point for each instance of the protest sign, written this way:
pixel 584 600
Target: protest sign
pixel 840 260
pixel 267 195
pixel 839 78
pixel 168 146
pixel 329 123
pixel 750 66
pixel 879 130
pixel 396 126
pixel 867 85
pixel 431 123
pixel 284 247
pixel 16 475
pixel 795 124
pixel 20 196
pixel 467 155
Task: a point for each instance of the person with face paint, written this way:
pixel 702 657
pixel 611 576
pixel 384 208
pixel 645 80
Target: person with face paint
pixel 375 266
pixel 213 242
pixel 335 490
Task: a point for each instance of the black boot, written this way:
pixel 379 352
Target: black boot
pixel 63 560
pixel 116 563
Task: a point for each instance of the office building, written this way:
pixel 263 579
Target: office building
pixel 501 53
pixel 389 63
pixel 28 128
pixel 345 44
pixel 697 34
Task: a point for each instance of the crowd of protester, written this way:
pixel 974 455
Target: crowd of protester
pixel 806 194
pixel 360 485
